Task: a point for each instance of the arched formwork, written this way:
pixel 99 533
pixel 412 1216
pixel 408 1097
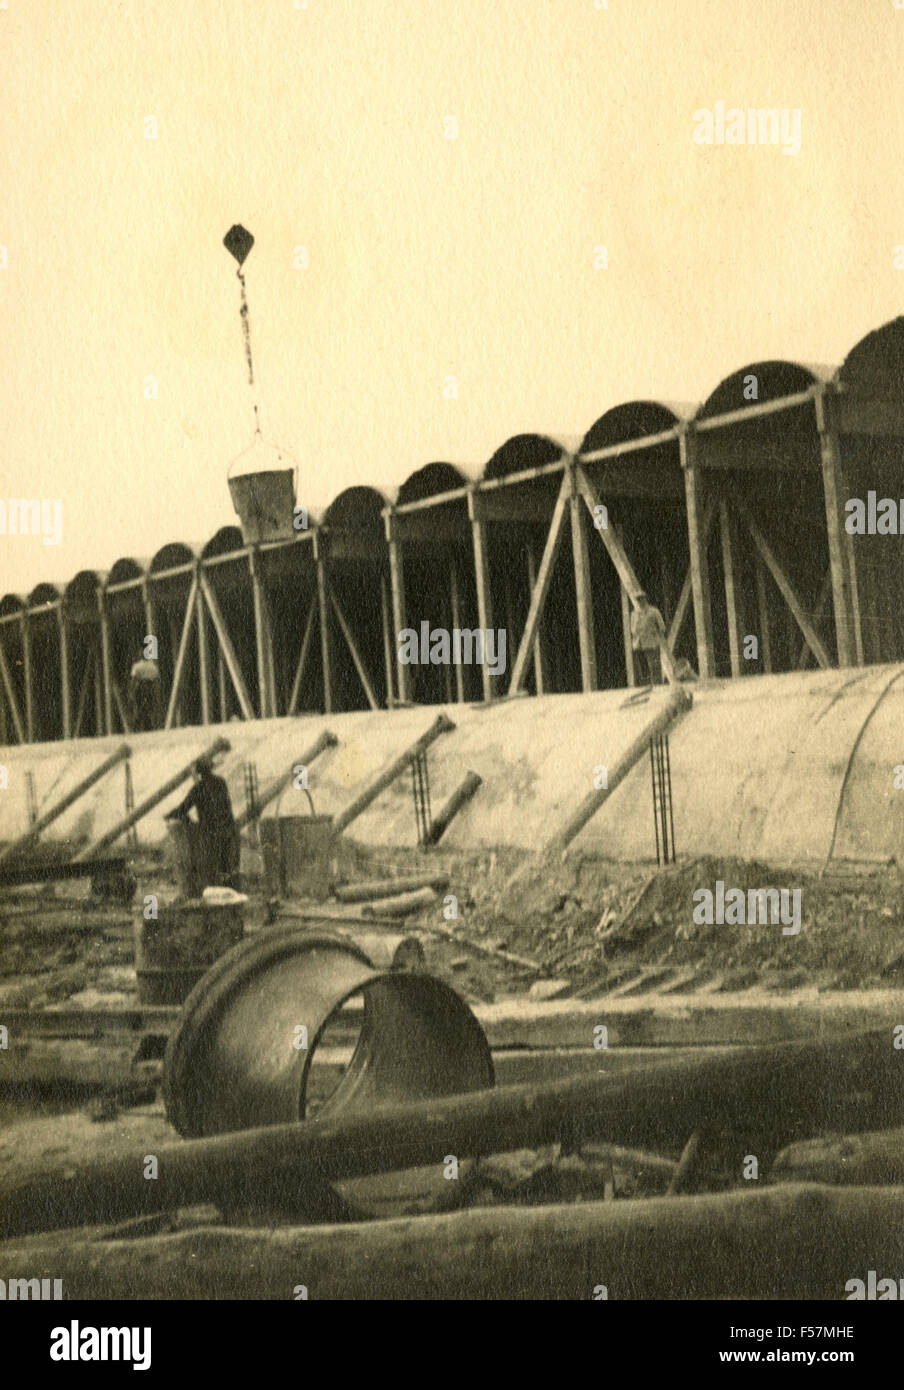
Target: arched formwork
pixel 91 703
pixel 868 414
pixel 756 522
pixel 513 511
pixel 354 618
pixel 18 707
pixel 432 580
pixel 632 456
pixel 44 623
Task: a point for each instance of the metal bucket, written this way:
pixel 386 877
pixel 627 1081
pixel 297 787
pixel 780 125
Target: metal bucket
pixel 265 503
pixel 300 855
pixel 232 1062
pixel 176 949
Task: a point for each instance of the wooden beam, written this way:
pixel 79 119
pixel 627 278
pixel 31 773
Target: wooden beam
pixel 729 536
pixel 583 588
pixel 623 566
pixel 762 603
pixel 28 676
pixel 541 587
pixel 323 609
pixel 106 659
pixel 99 725
pixel 834 492
pixel 65 679
pixel 261 636
pixel 682 607
pixel 120 706
pixel 785 588
pixel 83 693
pixel 625 604
pixel 537 651
pixel 355 654
pixel 302 658
pixel 222 688
pixel 824 591
pixel 697 537
pixel 399 613
pixel 11 695
pixel 204 670
pixel 455 610
pixel 179 671
pixel 482 581
pixel 226 647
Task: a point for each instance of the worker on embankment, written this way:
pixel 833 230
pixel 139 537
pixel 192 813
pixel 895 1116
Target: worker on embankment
pixel 216 824
pixel 647 635
pixel 144 695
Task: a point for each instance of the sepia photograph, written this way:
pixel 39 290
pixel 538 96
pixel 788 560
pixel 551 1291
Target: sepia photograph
pixel 452 667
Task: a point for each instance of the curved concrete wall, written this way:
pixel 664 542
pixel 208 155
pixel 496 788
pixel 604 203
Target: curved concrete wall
pixel 787 769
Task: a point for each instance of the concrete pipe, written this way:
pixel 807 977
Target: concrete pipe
pixel 244 1054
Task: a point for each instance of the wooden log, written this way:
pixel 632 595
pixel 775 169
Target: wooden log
pixel 801 1242
pixel 757 1096
pixel 678 701
pixel 57 809
pixel 400 905
pixel 869 1159
pixel 182 654
pixel 459 798
pixel 368 890
pixel 540 588
pixel 219 745
pixel 441 725
pixel 482 582
pixel 355 654
pixel 325 740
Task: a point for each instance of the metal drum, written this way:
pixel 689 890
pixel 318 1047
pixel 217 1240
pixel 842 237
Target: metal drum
pixel 244 1054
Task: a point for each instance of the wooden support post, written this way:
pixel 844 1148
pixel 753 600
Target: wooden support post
pixel 459 798
pixel 623 566
pixel 28 676
pixel 325 740
pixel 541 587
pixel 582 586
pixel 227 650
pixel 841 556
pixel 441 725
pixel 120 706
pixel 323 609
pixel 625 605
pixel 482 581
pixel 302 658
pixel 83 694
pixel 785 588
pixel 824 591
pixel 106 658
pixel 85 784
pixel 222 688
pixel 399 614
pixel 684 598
pixel 355 654
pixel 179 671
pixel 537 649
pixel 455 612
pixel 762 604
pixel 100 727
pixel 204 671
pixel 219 745
pixel 699 562
pixel 150 609
pixel 728 534
pixel 65 680
pixel 386 629
pixel 11 695
pixel 262 636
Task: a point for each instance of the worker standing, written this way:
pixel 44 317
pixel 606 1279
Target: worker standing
pixel 647 636
pixel 216 824
pixel 144 695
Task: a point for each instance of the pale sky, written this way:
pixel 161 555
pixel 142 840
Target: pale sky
pixel 429 257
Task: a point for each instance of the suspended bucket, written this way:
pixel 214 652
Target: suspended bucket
pixel 263 493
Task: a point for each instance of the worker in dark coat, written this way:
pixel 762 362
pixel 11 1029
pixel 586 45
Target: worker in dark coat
pixel 216 824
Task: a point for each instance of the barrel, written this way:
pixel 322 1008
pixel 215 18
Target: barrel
pixel 176 949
